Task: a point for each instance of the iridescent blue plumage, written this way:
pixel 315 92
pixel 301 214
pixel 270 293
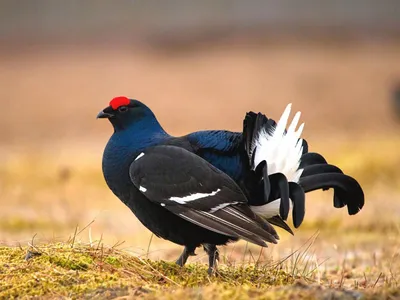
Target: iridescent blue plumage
pixel 131 135
pixel 224 149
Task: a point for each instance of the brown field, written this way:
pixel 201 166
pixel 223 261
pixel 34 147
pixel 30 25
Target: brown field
pixel 51 147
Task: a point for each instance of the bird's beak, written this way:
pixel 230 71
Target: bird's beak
pixel 104 115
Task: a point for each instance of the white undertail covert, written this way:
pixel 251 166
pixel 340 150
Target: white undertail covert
pixel 282 152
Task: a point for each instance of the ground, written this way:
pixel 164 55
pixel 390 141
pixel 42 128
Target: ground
pixel 64 234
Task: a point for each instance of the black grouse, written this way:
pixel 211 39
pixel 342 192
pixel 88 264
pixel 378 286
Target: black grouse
pixel 212 187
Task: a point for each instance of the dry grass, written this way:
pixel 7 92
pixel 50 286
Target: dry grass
pixel 74 269
pixel 348 257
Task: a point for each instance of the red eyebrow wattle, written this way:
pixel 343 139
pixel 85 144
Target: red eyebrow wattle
pixel 119 101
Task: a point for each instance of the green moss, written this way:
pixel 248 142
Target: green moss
pixel 59 269
pixel 72 263
pixel 114 261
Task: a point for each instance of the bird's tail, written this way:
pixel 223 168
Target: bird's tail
pixel 285 169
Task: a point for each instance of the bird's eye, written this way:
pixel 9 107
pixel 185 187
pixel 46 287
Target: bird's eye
pixel 123 109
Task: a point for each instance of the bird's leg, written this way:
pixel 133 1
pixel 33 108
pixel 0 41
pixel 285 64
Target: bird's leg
pixel 213 257
pixel 188 251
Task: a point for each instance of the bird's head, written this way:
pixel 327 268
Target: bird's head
pixel 124 112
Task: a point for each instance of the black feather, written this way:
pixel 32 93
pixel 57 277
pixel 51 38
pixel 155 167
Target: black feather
pixel 195 190
pixel 298 198
pixel 305 147
pixel 277 221
pixel 280 186
pixel 349 190
pixel 311 158
pixel 315 169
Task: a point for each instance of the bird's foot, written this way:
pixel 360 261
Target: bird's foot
pixel 211 270
pixel 213 258
pixel 188 251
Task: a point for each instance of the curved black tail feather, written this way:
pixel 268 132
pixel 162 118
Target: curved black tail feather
pixel 311 158
pixel 299 203
pixel 280 185
pixel 347 189
pixel 320 169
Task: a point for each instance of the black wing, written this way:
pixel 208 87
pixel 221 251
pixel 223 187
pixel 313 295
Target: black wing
pixel 193 189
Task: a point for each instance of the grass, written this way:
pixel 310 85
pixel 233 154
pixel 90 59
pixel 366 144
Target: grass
pixel 79 270
pixel 74 269
pixel 331 256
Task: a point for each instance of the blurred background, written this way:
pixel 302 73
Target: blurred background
pixel 198 65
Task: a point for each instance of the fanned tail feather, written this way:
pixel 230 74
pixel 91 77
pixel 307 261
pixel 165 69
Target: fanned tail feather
pixel 274 154
pixel 272 149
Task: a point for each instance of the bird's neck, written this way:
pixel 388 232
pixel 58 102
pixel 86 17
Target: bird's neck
pixel 125 145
